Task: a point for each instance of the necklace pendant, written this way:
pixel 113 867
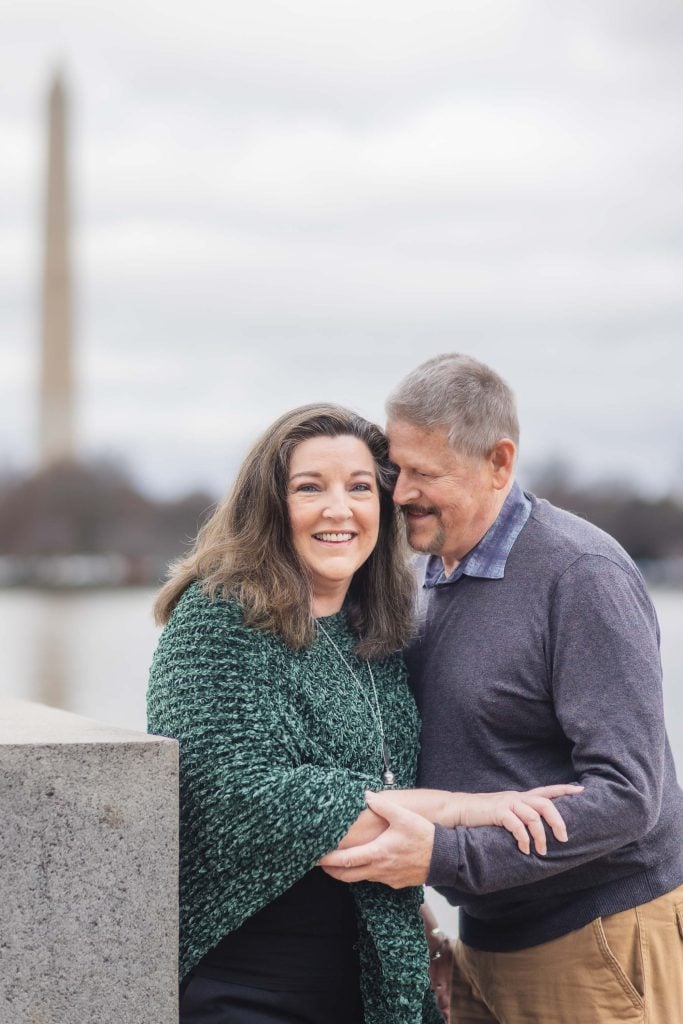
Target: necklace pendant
pixel 388 777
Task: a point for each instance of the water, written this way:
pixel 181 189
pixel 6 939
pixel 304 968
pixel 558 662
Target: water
pixel 89 652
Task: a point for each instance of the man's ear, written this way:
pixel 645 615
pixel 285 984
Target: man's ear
pixel 502 462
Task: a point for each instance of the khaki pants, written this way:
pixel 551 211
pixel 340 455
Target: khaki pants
pixel 626 967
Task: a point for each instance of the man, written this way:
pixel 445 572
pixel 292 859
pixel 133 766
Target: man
pixel 537 661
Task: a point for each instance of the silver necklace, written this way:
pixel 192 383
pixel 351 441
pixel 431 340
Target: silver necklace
pixel 388 777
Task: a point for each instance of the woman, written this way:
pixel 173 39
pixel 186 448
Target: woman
pixel 278 673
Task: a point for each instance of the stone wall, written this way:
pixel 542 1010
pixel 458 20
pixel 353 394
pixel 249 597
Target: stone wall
pixel 88 871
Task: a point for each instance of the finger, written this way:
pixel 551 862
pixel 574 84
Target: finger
pixel 390 810
pixel 562 789
pixel 353 857
pixel 534 824
pixel 513 824
pixel 548 811
pixel 347 874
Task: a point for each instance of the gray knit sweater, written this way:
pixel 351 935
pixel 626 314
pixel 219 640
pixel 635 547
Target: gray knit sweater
pixel 277 748
pixel 550 674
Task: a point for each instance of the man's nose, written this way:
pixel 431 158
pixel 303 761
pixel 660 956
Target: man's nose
pixel 405 492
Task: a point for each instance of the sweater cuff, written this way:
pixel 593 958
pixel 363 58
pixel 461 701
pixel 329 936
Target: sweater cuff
pixel 446 857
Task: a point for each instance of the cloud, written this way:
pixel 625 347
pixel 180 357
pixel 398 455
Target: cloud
pixel 275 203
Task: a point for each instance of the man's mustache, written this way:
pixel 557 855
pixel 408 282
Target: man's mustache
pixel 420 510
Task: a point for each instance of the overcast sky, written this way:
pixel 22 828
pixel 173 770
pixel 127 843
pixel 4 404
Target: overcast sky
pixel 278 203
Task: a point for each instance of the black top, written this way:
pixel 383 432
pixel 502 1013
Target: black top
pixel 303 940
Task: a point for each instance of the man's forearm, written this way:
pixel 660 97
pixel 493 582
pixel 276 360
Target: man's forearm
pixel 475 861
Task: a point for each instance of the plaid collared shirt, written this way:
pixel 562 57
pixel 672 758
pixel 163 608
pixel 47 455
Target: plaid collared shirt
pixel 487 558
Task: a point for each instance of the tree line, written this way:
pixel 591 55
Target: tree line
pixel 80 508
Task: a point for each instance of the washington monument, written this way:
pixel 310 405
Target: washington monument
pixel 56 440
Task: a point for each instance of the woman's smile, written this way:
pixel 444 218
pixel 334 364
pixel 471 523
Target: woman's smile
pixel 334 538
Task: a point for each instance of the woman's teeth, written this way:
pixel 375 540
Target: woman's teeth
pixel 333 537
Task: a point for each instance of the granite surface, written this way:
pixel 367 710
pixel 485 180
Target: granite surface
pixel 88 871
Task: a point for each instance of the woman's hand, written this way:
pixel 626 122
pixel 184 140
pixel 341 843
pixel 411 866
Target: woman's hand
pixel 522 814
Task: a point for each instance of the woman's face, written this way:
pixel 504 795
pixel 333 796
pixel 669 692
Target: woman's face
pixel 333 503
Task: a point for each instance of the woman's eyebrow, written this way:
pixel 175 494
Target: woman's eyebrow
pixel 311 472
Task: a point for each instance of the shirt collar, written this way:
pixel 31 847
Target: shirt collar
pixel 487 559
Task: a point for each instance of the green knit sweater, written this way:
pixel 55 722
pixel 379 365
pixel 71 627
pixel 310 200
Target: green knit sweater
pixel 276 750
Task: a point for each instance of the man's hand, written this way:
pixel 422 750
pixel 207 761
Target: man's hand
pixel 399 857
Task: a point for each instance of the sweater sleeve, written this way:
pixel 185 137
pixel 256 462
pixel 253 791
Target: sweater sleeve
pixel 605 676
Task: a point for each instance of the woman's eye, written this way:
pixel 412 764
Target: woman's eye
pixel 361 487
pixel 307 488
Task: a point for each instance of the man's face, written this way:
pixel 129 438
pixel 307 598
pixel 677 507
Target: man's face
pixel 448 499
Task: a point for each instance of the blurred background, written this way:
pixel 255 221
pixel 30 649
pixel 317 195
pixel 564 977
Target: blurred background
pixel 272 203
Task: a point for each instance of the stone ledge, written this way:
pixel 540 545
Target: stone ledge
pixel 89 871
pixel 22 721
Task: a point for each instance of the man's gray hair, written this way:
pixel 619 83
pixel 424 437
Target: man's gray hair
pixel 462 395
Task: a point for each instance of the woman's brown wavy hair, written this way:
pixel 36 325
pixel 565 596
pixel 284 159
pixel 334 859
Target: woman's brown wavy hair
pixel 245 548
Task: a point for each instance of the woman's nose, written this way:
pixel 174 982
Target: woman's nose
pixel 338 507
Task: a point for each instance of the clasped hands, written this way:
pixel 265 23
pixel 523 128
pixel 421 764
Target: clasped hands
pixel 400 852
